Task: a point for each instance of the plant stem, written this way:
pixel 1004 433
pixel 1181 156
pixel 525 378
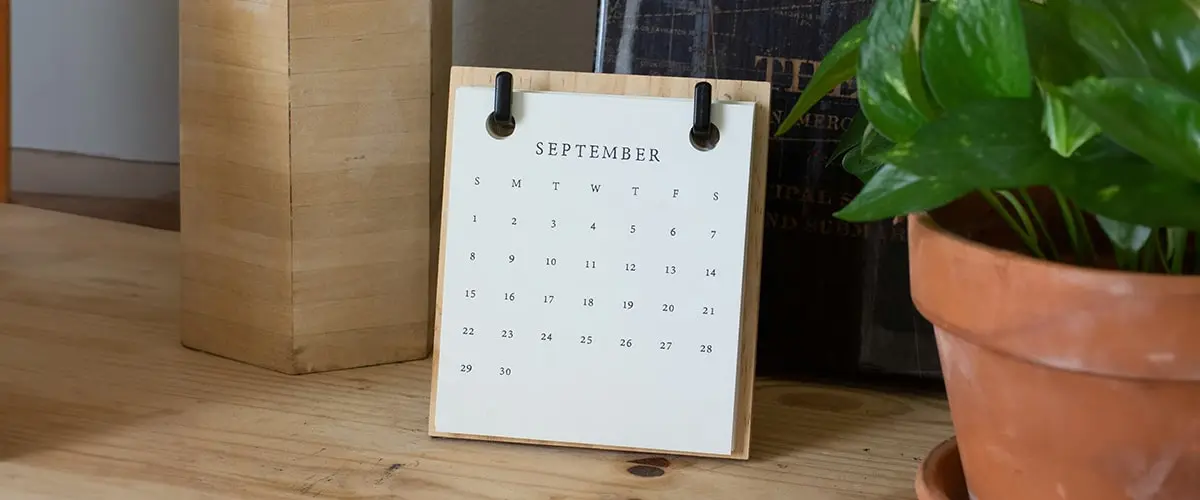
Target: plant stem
pixel 1070 219
pixel 1030 231
pixel 1151 250
pixel 1164 252
pixel 1089 249
pixel 1126 261
pixel 1177 245
pixel 1029 240
pixel 1037 216
pixel 1196 268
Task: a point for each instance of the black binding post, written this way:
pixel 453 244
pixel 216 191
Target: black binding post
pixel 501 123
pixel 504 85
pixel 702 119
pixel 703 132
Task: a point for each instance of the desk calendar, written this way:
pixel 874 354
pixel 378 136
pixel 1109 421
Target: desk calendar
pixel 599 264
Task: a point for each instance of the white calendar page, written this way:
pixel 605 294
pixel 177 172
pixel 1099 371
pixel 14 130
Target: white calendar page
pixel 591 293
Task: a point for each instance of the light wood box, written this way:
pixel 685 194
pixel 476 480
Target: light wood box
pixel 309 131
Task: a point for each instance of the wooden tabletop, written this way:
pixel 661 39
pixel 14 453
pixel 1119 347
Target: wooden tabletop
pixel 98 400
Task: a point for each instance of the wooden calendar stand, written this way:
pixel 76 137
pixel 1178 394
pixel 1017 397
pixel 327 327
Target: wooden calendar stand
pixel 599 270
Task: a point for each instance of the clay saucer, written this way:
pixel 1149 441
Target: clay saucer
pixel 940 476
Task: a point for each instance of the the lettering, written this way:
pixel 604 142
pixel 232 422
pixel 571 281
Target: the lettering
pixel 675 194
pixel 476 180
pixel 807 195
pixel 830 227
pixel 635 190
pixel 516 183
pixel 799 71
pixel 595 188
pixel 639 154
pixel 556 183
pixel 814 120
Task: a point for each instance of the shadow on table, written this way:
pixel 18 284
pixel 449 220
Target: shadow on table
pixel 792 419
pixel 88 317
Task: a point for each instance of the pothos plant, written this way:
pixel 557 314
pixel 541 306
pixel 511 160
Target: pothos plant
pixel 1094 101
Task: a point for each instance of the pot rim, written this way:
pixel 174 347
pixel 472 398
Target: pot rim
pixel 1103 322
pixel 926 220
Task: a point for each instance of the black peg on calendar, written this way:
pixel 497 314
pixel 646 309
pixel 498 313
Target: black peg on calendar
pixel 500 122
pixel 704 134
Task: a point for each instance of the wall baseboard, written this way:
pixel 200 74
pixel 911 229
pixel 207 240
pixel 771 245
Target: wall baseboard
pixel 159 214
pixel 54 172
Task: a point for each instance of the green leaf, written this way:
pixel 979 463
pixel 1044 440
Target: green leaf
pixel 1054 56
pixel 1098 30
pixel 864 163
pixel 839 65
pixel 1156 38
pixel 1102 149
pixel 1147 117
pixel 1125 236
pixel 890 89
pixel 862 168
pixel 1066 126
pixel 976 49
pixel 1132 191
pixel 893 192
pixel 992 144
pixel 851 137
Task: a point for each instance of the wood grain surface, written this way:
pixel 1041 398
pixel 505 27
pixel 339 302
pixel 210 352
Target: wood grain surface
pixel 306 131
pixel 100 401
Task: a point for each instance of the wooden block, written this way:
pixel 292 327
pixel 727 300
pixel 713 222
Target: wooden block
pixel 307 195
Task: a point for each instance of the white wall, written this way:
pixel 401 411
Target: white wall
pixel 97 77
pixel 100 77
pixel 561 33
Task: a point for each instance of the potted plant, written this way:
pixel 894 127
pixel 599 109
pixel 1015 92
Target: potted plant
pixel 1069 341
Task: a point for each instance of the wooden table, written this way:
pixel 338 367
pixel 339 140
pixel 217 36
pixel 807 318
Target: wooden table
pixel 99 400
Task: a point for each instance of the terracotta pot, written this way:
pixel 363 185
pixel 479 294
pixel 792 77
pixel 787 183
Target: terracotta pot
pixel 940 476
pixel 1064 383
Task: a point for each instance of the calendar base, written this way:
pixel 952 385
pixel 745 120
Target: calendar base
pixel 741 453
